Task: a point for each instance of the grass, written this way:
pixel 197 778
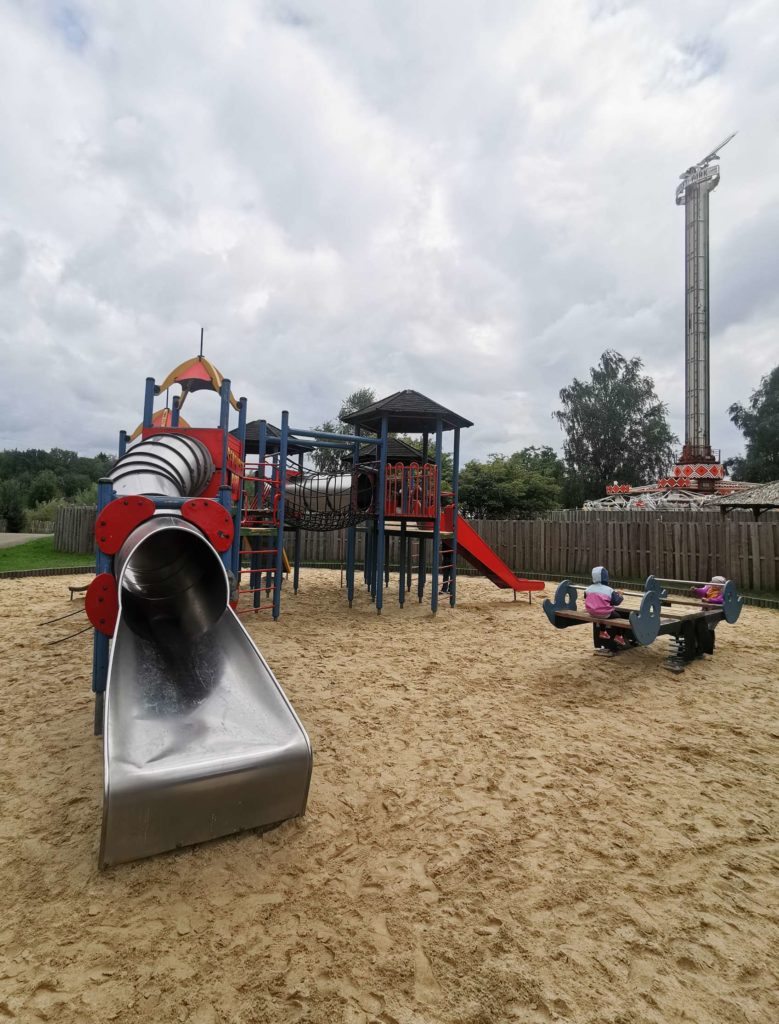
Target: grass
pixel 40 554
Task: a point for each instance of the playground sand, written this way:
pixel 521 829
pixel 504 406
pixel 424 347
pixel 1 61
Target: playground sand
pixel 501 828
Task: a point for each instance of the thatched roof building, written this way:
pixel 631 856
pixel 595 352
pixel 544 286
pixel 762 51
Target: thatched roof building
pixel 759 499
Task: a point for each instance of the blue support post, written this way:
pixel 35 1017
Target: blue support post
pixel 122 442
pixel 100 644
pixel 423 540
pixel 280 534
pixel 225 499
pixel 455 516
pixel 351 535
pixel 262 441
pixel 148 403
pixel 238 514
pixel 268 560
pixel 296 562
pixel 437 527
pixel 224 426
pixel 380 517
pixel 255 575
pixel 402 565
pixel 262 450
pixel 367 568
pixel 175 416
pixel 298 536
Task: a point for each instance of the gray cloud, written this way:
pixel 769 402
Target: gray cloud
pixel 472 201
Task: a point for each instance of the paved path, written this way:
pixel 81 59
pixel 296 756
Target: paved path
pixel 10 540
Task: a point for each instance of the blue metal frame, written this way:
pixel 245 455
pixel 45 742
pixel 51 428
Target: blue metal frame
pixel 148 403
pixel 455 516
pixel 439 432
pixel 101 643
pixel 236 552
pixel 379 577
pixel 282 471
pixel 351 536
pixel 224 426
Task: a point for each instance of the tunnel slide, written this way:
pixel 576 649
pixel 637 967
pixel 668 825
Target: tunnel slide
pixel 200 740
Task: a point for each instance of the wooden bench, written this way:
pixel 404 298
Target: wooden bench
pixel 585 617
pixel 78 590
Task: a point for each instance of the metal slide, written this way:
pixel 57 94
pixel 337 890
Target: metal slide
pixel 199 739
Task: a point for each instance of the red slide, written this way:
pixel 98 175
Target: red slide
pixel 481 556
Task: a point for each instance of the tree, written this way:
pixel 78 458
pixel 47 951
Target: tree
pixel 12 502
pixel 331 460
pixel 44 487
pixel 509 486
pixel 37 478
pixel 759 423
pixel 447 459
pixel 616 429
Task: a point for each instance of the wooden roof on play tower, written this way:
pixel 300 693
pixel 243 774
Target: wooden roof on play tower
pixel 295 445
pixel 407 412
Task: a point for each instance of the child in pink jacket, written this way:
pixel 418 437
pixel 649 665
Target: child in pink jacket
pixel 711 592
pixel 602 601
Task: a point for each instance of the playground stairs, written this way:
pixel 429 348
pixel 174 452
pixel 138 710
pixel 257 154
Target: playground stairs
pixel 259 573
pixel 481 556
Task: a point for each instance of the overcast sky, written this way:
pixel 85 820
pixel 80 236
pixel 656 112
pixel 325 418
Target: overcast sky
pixel 471 199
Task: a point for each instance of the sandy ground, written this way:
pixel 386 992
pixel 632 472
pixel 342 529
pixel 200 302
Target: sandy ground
pixel 501 827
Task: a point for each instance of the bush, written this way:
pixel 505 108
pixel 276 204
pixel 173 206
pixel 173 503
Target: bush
pixel 44 512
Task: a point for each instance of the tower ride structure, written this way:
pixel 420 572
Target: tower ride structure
pixel 699 465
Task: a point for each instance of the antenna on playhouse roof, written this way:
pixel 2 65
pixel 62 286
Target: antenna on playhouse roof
pixel 201 344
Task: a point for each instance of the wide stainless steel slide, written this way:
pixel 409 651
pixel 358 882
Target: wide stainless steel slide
pixel 200 740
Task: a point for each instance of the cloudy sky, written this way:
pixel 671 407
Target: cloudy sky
pixel 471 199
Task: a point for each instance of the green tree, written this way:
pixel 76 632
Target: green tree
pixel 616 429
pixel 44 487
pixel 330 460
pixel 41 476
pixel 759 423
pixel 12 504
pixel 510 486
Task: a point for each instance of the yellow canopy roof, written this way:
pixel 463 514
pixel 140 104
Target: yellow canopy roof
pixel 196 374
pixel 161 418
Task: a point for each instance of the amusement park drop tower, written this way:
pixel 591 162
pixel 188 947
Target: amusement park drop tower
pixel 698 466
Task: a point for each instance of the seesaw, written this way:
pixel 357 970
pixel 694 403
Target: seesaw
pixel 689 624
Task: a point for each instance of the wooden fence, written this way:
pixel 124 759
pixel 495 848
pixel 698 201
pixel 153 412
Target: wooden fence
pixel 40 526
pixel 712 515
pixel 686 549
pixel 746 552
pixel 74 529
pixel 631 547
